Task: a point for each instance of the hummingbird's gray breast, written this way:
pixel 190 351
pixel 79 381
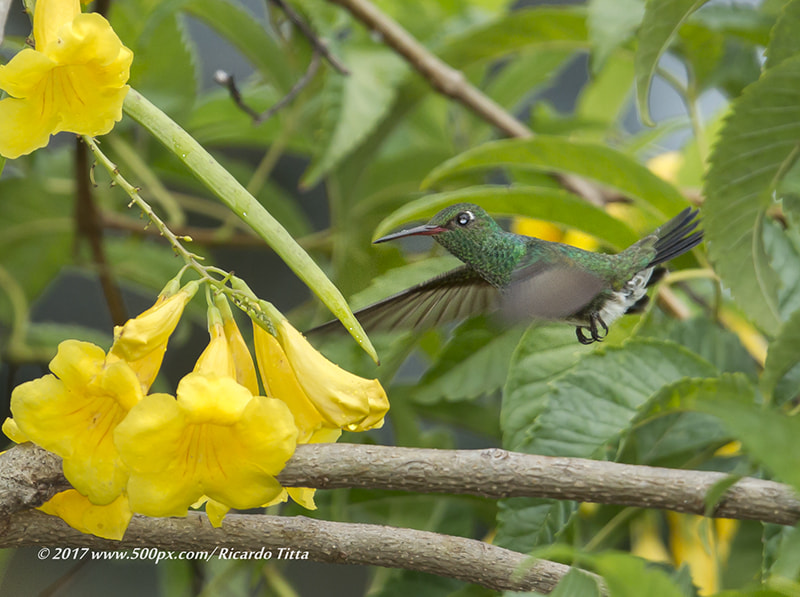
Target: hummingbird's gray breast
pixel 549 292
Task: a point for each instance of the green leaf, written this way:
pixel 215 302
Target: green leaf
pixel 611 24
pixel 738 21
pixel 524 75
pixel 557 154
pixel 768 436
pixel 629 576
pixel 554 205
pixel 171 84
pixel 543 354
pixel 758 144
pixel 719 346
pixel 784 41
pixel 50 335
pixel 245 32
pixel 554 408
pixel 702 50
pixel 605 98
pixel 594 403
pixel 783 247
pixel 355 104
pixel 576 582
pixel 473 363
pixel 35 234
pixel 786 555
pixel 533 27
pixel 662 20
pixel 783 354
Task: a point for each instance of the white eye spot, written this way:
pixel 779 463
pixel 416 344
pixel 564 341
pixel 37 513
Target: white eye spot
pixel 464 218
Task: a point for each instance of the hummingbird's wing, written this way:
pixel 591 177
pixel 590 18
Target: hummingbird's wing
pixel 550 291
pixel 454 295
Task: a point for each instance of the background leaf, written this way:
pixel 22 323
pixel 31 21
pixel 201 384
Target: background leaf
pixel 596 162
pixel 758 144
pixel 662 19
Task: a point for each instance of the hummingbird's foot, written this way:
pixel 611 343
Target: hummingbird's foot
pixel 594 331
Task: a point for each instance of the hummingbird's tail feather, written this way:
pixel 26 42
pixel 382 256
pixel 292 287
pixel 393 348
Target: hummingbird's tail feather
pixel 677 236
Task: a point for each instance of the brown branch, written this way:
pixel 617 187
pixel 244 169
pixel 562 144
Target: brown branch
pixel 87 221
pixel 452 83
pixel 442 77
pixel 318 45
pixel 29 476
pixel 332 542
pixel 496 473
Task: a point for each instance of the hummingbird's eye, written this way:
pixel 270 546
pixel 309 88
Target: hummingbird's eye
pixel 464 218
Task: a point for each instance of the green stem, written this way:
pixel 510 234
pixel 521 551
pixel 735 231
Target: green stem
pixel 244 205
pixel 19 306
pixel 175 216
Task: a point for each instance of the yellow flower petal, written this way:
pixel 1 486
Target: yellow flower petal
pixel 345 400
pixel 74 417
pixel 217 357
pixel 281 382
pixel 245 370
pixel 49 17
pixel 200 399
pixel 73 81
pixel 13 432
pixel 77 363
pixel 216 512
pixel 216 440
pixel 142 341
pixel 109 522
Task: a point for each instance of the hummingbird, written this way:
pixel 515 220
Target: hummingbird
pixel 524 278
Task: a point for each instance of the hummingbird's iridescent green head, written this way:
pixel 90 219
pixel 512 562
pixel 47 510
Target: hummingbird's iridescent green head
pixel 470 234
pixel 460 226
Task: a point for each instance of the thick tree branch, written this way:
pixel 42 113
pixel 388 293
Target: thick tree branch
pixel 333 542
pixel 490 473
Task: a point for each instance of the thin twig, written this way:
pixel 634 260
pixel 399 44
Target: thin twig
pixel 227 80
pixel 316 42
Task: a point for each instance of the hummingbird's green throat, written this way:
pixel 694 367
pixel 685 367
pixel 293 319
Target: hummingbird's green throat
pixel 525 278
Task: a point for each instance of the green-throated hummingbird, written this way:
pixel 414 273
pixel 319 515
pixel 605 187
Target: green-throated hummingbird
pixel 525 278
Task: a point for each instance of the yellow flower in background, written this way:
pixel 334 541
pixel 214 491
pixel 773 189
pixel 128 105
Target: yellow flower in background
pixel 328 395
pixel 109 522
pixel 216 439
pixel 142 341
pixel 703 544
pixel 73 412
pixel 547 231
pixel 75 79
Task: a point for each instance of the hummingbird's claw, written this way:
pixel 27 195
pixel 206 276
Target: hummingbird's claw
pixel 594 331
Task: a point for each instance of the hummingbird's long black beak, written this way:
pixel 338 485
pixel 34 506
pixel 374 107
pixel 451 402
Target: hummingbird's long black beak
pixel 424 230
